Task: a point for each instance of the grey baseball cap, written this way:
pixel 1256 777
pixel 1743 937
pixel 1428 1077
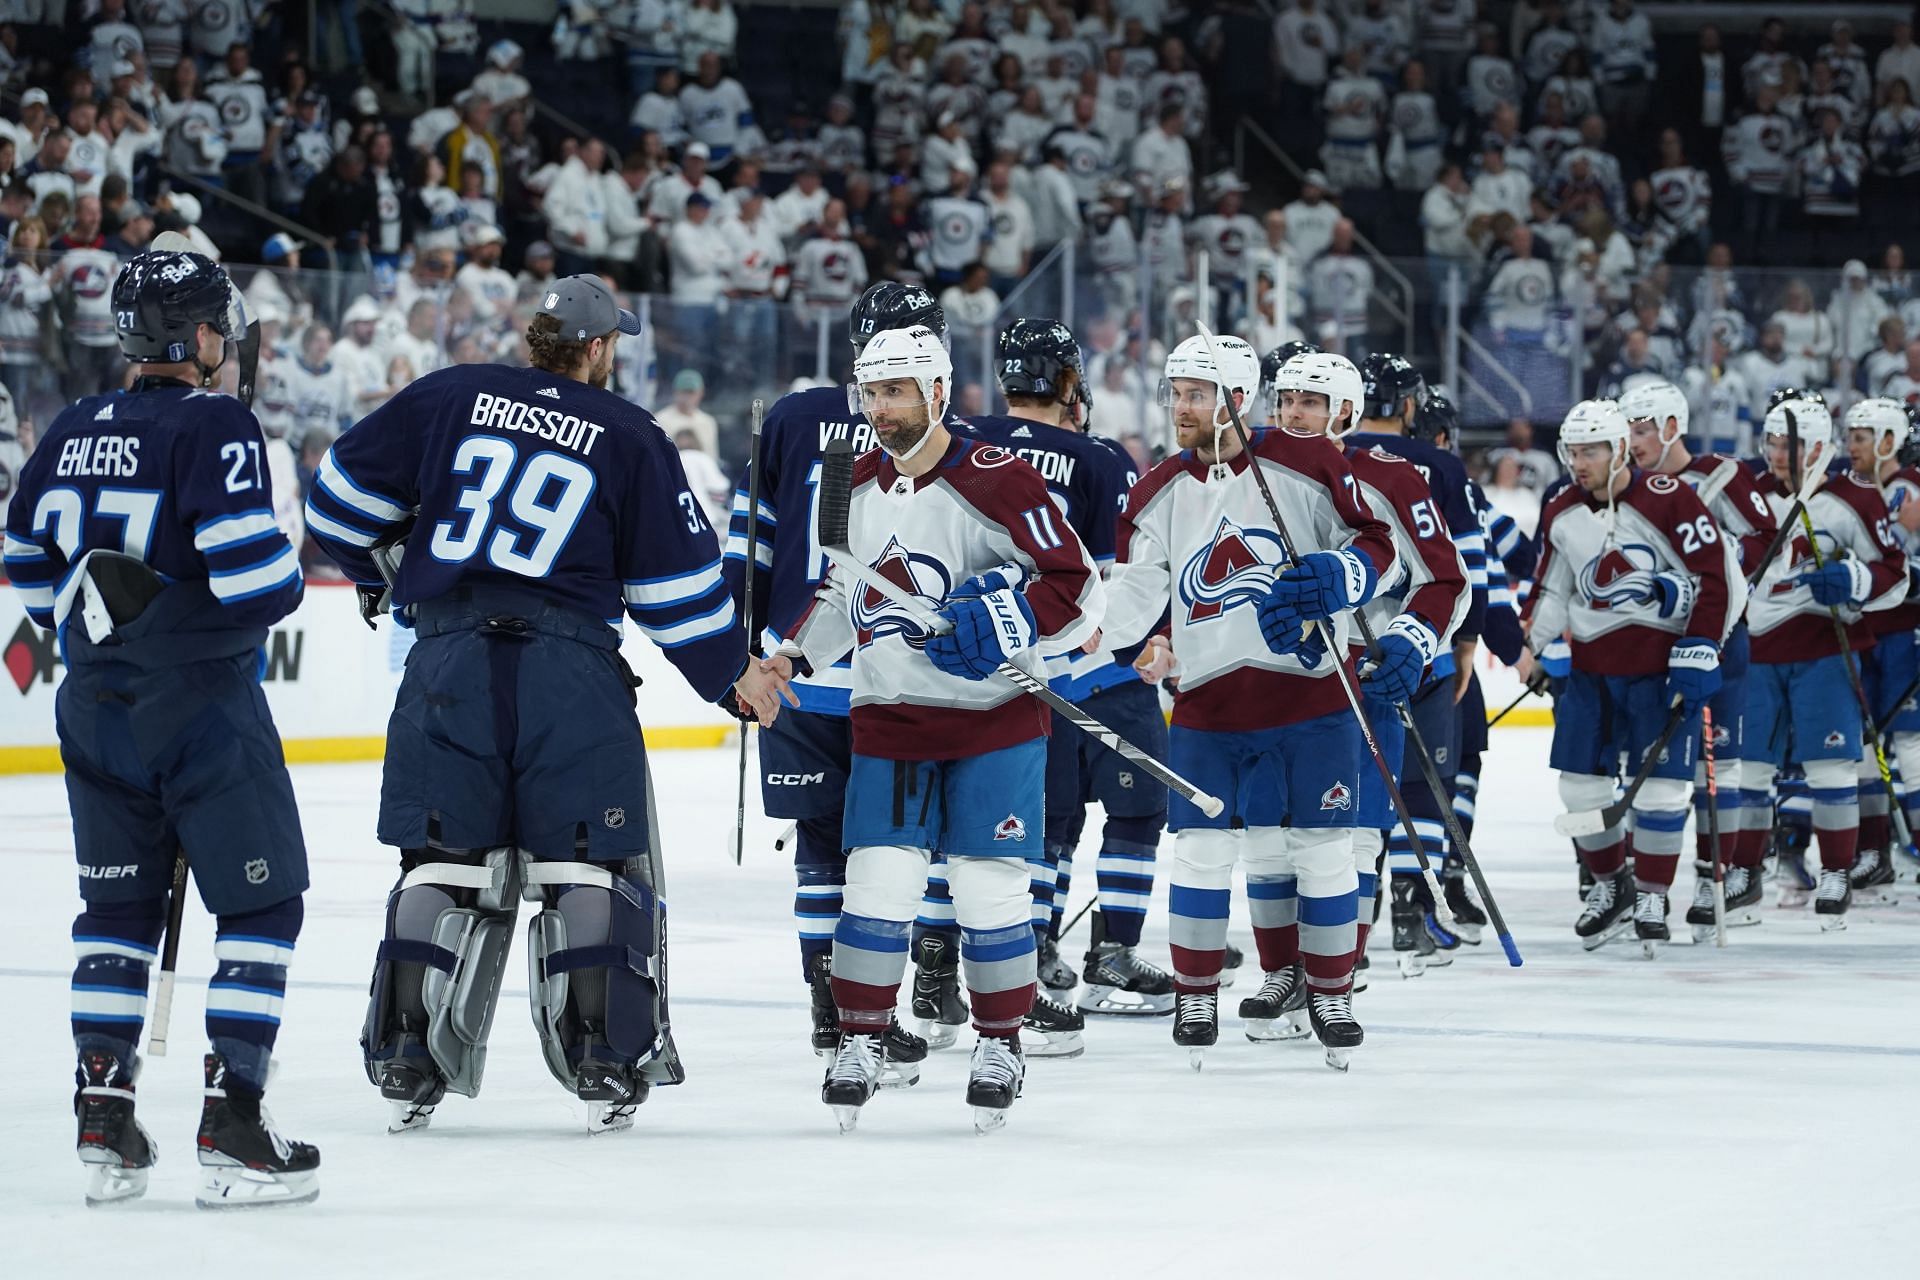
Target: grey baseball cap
pixel 586 309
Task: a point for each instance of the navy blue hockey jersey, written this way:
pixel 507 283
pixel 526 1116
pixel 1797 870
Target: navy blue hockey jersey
pixel 172 476
pixel 526 479
pixel 1446 477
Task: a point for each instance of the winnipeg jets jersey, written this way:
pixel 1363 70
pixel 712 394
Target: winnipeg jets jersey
pixel 1430 581
pixel 978 508
pixel 1628 586
pixel 1901 491
pixel 1198 539
pixel 1850 520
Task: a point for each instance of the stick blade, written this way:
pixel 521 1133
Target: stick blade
pixel 836 491
pixel 1586 822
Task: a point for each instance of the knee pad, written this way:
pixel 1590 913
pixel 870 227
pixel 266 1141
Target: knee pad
pixel 1369 847
pixel 1580 791
pixel 1322 858
pixel 989 893
pixel 1203 857
pixel 596 974
pixel 1663 795
pixel 1906 752
pixel 885 881
pixel 437 975
pixel 1266 852
pixel 1831 775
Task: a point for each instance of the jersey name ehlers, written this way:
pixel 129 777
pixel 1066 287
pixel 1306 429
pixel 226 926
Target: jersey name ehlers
pixel 116 457
pixel 564 429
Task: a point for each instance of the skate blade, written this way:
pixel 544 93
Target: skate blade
pixel 1650 947
pixel 1703 933
pixel 609 1117
pixel 1054 1044
pixel 1060 982
pixel 1791 898
pixel 989 1119
pixel 1226 980
pixel 848 1118
pixel 1409 963
pixel 113 1184
pixel 1606 935
pixel 1467 933
pixel 1197 1058
pixel 1339 1059
pixel 1832 924
pixel 899 1075
pixel 405 1117
pixel 1269 1030
pixel 938 1035
pixel 1115 1002
pixel 238 1188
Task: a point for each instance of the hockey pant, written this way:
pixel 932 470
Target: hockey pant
pixel 1808 709
pixel 1301 894
pixel 1603 725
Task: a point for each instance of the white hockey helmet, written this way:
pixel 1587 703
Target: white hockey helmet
pixel 1194 359
pixel 1812 420
pixel 1330 375
pixel 1655 402
pixel 916 355
pixel 1593 422
pixel 1887 419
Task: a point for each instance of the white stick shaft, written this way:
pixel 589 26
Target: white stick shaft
pixel 162 1014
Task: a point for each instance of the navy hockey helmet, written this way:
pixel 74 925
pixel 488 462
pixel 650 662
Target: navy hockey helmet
pixel 892 305
pixel 1435 418
pixel 1032 358
pixel 1386 380
pixel 161 296
pixel 1781 395
pixel 1270 363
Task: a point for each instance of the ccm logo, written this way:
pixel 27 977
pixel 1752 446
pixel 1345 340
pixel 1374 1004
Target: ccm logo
pixel 794 779
pixel 109 873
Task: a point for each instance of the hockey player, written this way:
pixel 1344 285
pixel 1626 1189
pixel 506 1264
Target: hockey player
pixel 946 755
pixel 541 503
pixel 1414 620
pixel 1799 687
pixel 1268 408
pixel 1259 716
pixel 1657 418
pixel 1393 392
pixel 1879 445
pixel 1038 364
pixel 804 755
pixel 1631 564
pixel 143 533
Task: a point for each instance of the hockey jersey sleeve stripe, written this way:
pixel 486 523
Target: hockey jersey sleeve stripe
pixel 737 551
pixel 340 486
pixel 19 551
pixel 739 513
pixel 644 594
pixel 328 529
pixel 258 579
pixel 235 530
pixel 37 601
pixel 715 622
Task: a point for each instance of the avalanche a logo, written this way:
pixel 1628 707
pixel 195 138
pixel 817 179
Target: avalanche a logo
pixel 1011 828
pixel 1621 577
pixel 875 616
pixel 1337 796
pixel 1228 571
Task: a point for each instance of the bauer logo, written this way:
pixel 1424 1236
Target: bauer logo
pixel 1337 796
pixel 1227 572
pixel 1010 828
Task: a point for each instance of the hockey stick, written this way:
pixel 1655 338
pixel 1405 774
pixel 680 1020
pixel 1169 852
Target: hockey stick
pixel 1591 822
pixel 1524 695
pixel 1335 654
pixel 1084 908
pixel 1713 830
pixel 836 504
pixel 746 604
pixel 169 959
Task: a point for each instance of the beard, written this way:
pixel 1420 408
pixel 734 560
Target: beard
pixel 900 438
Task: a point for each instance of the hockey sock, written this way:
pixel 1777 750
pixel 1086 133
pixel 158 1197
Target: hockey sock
pixel 1125 875
pixel 1329 902
pixel 1433 838
pixel 1756 824
pixel 936 906
pixel 1466 792
pixel 243 1001
pixel 1274 904
pixel 1659 831
pixel 1063 837
pixel 869 960
pixel 997 951
pixel 1200 887
pixel 114 944
pixel 820 872
pixel 1836 812
pixel 1063 881
pixel 1369 858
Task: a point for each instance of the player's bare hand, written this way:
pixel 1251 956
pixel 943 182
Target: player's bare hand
pixel 1156 661
pixel 780 667
pixel 1463 654
pixel 758 693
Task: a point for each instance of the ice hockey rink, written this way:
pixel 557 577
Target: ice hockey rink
pixel 1745 1112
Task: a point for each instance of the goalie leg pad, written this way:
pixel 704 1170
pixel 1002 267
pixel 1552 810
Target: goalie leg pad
pixel 436 979
pixel 596 990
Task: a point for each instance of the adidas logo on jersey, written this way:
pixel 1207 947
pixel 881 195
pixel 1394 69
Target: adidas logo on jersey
pixel 1022 433
pixel 551 393
pixel 1010 828
pixel 105 414
pixel 1337 796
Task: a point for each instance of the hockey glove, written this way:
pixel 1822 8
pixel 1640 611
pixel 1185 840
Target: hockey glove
pixel 1551 665
pixel 1007 577
pixel 1395 668
pixel 373 603
pixel 987 631
pixel 1672 594
pixel 1322 584
pixel 1838 582
pixel 1693 672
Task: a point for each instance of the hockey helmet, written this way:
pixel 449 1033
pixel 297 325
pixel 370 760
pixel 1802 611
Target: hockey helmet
pixel 915 355
pixel 1032 357
pixel 892 305
pixel 1437 417
pixel 1192 359
pixel 1386 382
pixel 1333 376
pixel 1890 421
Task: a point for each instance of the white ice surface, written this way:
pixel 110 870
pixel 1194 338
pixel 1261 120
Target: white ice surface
pixel 1747 1112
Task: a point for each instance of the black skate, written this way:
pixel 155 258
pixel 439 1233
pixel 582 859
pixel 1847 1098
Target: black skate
pixel 1831 900
pixel 901 1053
pixel 244 1160
pixel 852 1078
pixel 113 1145
pixel 1700 910
pixel 1230 966
pixel 994 1080
pixel 410 1082
pixel 1743 896
pixel 1609 910
pixel 1196 1024
pixel 1873 876
pixel 1055 974
pixel 1053 1029
pixel 1119 981
pixel 1414 947
pixel 1278 1011
pixel 937 1003
pixel 1650 921
pixel 1334 1023
pixel 612 1091
pixel 1468 919
pixel 826 1017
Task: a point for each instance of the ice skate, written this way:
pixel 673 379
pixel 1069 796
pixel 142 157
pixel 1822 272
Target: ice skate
pixel 1055 973
pixel 1196 1024
pixel 1118 981
pixel 411 1085
pixel 901 1053
pixel 852 1078
pixel 1872 877
pixel 994 1080
pixel 1278 1011
pixel 1334 1023
pixel 113 1144
pixel 1053 1029
pixel 1700 910
pixel 612 1093
pixel 938 1005
pixel 1609 910
pixel 1790 867
pixel 1414 947
pixel 1831 900
pixel 1650 921
pixel 826 1018
pixel 1468 919
pixel 245 1162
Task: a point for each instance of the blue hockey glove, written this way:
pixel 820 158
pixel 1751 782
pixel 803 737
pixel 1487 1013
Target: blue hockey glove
pixel 1693 672
pixel 1285 630
pixel 1838 582
pixel 987 631
pixel 1322 584
pixel 1395 668
pixel 1672 594
pixel 1551 665
pixel 1006 577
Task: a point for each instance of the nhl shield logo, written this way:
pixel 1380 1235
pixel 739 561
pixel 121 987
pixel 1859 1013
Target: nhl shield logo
pixel 1126 781
pixel 1337 796
pixel 614 818
pixel 1010 828
pixel 257 871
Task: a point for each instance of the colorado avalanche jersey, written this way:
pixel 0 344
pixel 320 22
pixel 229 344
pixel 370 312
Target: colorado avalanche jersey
pixel 1902 491
pixel 1849 517
pixel 527 480
pixel 1736 504
pixel 172 476
pixel 1629 583
pixel 788 562
pixel 978 508
pixel 1446 478
pixel 1199 539
pixel 1430 581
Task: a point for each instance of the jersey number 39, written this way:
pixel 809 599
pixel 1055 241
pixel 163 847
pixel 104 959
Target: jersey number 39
pixel 544 497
